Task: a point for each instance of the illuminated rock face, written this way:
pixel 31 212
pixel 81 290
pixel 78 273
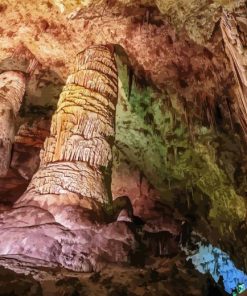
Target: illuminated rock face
pixel 209 259
pixel 56 221
pixel 233 28
pixel 78 150
pixel 12 88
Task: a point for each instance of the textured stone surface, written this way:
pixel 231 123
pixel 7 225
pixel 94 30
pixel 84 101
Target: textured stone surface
pixel 212 260
pixel 139 140
pixel 175 123
pixel 78 149
pixel 55 220
pixel 156 50
pixel 12 88
pixel 25 159
pixel 33 133
pixel 179 159
pixel 196 17
pixel 160 277
pixel 28 142
pixel 18 284
pixel 234 30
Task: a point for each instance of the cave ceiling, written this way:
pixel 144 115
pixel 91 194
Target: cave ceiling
pixel 45 36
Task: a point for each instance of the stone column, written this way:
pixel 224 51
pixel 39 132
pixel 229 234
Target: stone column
pixel 55 222
pixel 12 88
pixel 77 154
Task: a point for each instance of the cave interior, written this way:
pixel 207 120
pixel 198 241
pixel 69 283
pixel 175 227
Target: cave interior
pixel 123 140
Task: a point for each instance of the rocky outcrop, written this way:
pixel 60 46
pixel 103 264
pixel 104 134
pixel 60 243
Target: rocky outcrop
pixel 235 38
pixel 12 88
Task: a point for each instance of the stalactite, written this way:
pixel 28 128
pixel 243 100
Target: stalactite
pixel 234 34
pixel 12 88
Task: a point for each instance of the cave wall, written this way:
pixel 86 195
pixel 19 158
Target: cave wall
pixel 212 260
pixel 161 154
pixel 194 166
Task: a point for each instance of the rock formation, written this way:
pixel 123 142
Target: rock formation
pixel 179 158
pixel 77 154
pixel 12 88
pixel 25 159
pixel 55 221
pixel 28 143
pixel 233 28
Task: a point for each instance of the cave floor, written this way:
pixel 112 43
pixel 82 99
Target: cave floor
pixel 160 276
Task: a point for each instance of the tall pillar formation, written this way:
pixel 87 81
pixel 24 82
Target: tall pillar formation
pixel 12 88
pixel 77 154
pixel 57 220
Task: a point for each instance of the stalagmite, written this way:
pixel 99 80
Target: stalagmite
pixel 12 88
pixel 58 220
pixel 78 149
pixel 233 28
